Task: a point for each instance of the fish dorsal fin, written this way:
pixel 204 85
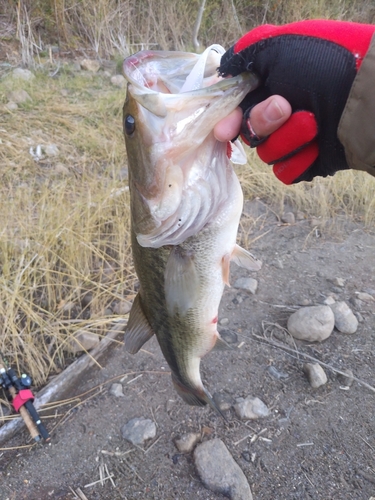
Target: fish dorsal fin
pixel 138 330
pixel 244 259
pixel 181 281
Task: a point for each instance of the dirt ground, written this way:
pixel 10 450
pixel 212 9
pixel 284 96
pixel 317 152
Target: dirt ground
pixel 319 444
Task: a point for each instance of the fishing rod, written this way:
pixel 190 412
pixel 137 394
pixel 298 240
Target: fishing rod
pixel 18 392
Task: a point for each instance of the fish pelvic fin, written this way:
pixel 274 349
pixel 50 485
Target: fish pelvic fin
pixel 225 268
pixel 245 259
pixel 195 397
pixel 138 330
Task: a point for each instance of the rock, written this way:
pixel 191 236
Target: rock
pixel 347 379
pixel 122 307
pixel 329 300
pixel 339 282
pixel 366 297
pixel 275 373
pixel 91 65
pixel 82 341
pixel 51 150
pixel 186 442
pixel 313 323
pixel 345 321
pixel 251 408
pixel 224 321
pixel 23 74
pixel 138 430
pixel 229 336
pixel 118 81
pixel 358 304
pixel 288 218
pixel 359 317
pixel 248 284
pixel 300 215
pixel 11 106
pixel 305 302
pixel 19 96
pixel 315 374
pixel 219 472
pixel 116 390
pixel 223 401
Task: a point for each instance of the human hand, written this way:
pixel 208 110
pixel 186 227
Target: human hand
pixel 265 118
pixel 312 64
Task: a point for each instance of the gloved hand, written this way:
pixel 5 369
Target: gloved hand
pixel 313 65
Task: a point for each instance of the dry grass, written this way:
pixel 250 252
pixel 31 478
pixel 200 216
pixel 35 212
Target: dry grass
pixel 65 219
pixel 347 193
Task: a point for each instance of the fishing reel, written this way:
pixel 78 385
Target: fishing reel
pixel 18 392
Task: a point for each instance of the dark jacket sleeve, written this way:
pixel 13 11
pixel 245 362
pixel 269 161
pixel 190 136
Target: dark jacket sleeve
pixel 357 124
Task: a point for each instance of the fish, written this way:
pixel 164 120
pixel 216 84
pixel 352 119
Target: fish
pixel 185 205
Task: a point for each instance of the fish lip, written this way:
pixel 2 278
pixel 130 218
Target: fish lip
pixel 132 62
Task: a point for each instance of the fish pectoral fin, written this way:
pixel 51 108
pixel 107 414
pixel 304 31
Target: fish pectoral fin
pixel 195 397
pixel 138 330
pixel 245 259
pixel 181 281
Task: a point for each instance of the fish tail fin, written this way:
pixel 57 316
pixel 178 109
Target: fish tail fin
pixel 195 397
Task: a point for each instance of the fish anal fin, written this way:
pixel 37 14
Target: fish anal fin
pixel 225 267
pixel 138 330
pixel 221 345
pixel 195 397
pixel 181 281
pixel 245 259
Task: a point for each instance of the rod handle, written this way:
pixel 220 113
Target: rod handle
pixel 26 417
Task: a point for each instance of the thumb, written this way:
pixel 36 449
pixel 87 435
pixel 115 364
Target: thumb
pixel 269 115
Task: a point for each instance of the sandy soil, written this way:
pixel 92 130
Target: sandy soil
pixel 319 443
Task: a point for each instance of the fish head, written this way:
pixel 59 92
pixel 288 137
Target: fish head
pixel 173 102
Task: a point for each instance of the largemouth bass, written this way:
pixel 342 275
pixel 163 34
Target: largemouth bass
pixel 186 203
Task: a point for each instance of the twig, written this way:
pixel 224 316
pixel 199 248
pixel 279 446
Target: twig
pixel 17 447
pixel 243 439
pixel 116 453
pixel 153 444
pixel 81 495
pixel 135 378
pixel 74 493
pixel 368 444
pixel 99 481
pixel 109 475
pixel 197 25
pixel 289 350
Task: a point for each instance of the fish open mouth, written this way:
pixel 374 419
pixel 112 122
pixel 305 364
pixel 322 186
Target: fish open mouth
pixel 179 97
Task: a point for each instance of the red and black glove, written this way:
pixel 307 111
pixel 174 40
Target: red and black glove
pixel 313 65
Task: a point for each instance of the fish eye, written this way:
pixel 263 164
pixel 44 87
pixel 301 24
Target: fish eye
pixel 129 124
